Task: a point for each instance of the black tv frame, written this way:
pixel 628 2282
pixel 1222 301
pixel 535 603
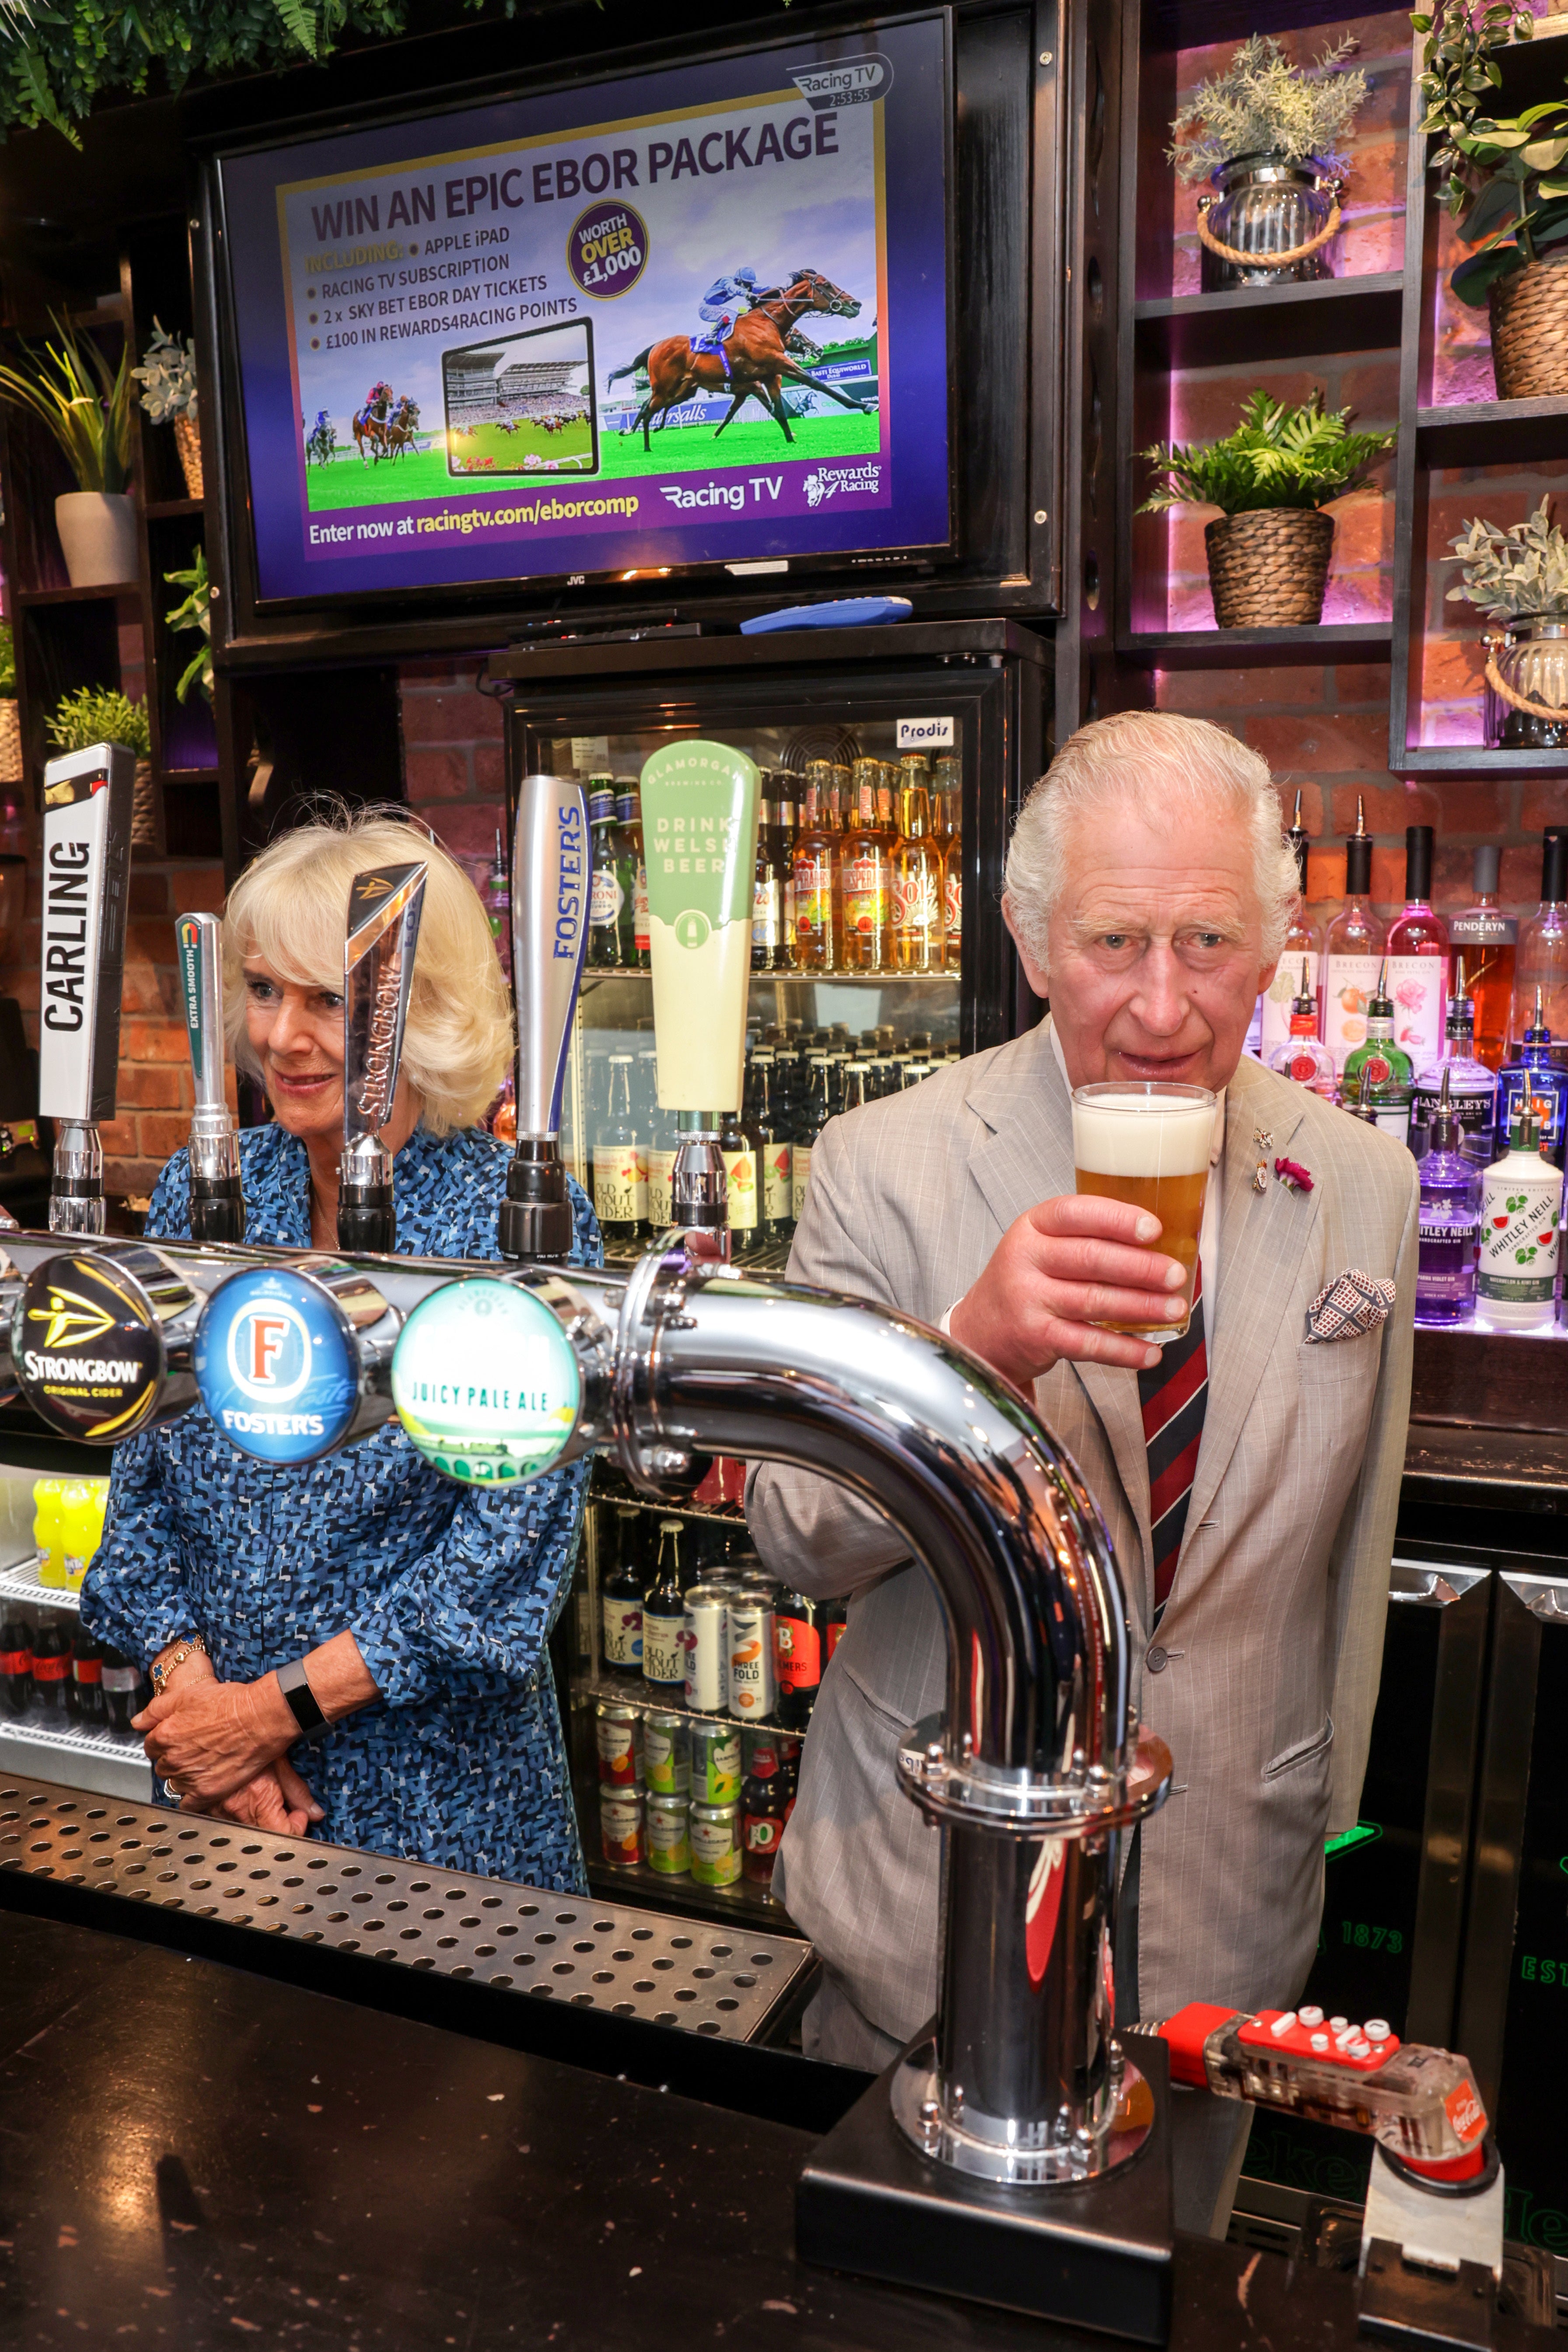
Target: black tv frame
pixel 1003 233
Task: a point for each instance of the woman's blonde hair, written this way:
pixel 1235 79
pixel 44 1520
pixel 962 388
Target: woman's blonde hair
pixel 290 907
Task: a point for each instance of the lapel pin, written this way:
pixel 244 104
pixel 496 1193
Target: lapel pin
pixel 1260 1177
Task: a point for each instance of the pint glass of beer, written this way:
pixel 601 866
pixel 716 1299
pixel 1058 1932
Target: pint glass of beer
pixel 1147 1143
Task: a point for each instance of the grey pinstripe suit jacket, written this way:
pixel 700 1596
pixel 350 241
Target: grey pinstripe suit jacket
pixel 1273 1632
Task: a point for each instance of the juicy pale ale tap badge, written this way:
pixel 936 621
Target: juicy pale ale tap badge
pixel 274 1367
pixel 486 1383
pixel 700 842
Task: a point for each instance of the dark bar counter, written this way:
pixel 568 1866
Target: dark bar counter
pixel 197 2156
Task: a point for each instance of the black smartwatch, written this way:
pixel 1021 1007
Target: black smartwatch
pixel 295 1685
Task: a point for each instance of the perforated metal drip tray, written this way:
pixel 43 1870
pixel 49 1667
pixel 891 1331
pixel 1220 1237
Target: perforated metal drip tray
pixel 713 1980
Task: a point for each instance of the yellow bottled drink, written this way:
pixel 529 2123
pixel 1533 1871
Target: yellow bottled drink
pixel 48 1532
pixel 82 1506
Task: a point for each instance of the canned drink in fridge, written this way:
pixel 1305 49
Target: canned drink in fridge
pixel 668 1850
pixel 666 1754
pixel 705 1642
pixel 621 1826
pixel 754 1683
pixel 618 1730
pixel 714 1832
pixel 715 1763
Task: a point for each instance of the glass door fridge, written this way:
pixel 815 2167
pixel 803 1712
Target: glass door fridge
pixel 892 761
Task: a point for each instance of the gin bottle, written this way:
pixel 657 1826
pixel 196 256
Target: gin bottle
pixel 1353 952
pixel 1522 1199
pixel 1303 950
pixel 1380 1066
pixel 1301 1057
pixel 1533 1081
pixel 1464 1079
pixel 1450 1214
pixel 1418 955
pixel 1541 973
pixel 1489 939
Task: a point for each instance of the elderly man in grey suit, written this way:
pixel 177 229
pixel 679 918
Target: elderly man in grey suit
pixel 1248 1474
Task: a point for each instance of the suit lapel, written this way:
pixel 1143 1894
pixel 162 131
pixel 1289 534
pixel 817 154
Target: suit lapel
pixel 1262 1238
pixel 1026 1158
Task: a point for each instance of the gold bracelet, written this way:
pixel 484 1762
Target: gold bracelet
pixel 186 1647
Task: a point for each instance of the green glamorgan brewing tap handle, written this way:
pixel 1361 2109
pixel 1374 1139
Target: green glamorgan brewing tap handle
pixel 87 856
pixel 700 844
pixel 216 1196
pixel 385 907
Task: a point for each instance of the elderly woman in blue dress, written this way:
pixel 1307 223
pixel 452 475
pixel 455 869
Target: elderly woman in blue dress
pixel 419 1610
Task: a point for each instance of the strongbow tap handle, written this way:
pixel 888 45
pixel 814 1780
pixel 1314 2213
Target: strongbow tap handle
pixel 385 907
pixel 217 1195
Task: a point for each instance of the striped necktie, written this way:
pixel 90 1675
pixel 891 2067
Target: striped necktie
pixel 1174 1393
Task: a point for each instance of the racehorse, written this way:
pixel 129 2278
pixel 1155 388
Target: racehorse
pixel 323 442
pixel 400 429
pixel 754 362
pixel 369 421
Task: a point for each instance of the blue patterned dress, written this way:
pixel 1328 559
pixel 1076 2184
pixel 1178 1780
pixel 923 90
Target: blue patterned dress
pixel 451 1591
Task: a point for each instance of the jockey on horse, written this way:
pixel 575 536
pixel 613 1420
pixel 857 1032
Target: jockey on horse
pixel 746 356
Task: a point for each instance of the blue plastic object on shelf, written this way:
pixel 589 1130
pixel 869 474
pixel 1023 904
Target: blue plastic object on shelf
pixel 843 613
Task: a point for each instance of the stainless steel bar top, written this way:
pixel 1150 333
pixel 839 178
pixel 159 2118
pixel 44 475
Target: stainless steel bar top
pixel 722 1981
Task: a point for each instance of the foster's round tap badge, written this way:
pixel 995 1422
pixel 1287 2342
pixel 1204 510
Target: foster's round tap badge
pixel 275 1366
pixel 486 1383
pixel 88 1348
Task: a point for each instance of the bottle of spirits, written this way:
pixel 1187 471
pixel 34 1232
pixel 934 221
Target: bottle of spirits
pixel 1534 1081
pixel 1418 956
pixel 767 898
pixel 866 863
pixel 817 924
pixel 1450 1214
pixel 1540 976
pixel 664 1610
pixel 1489 939
pixel 1380 1066
pixel 1463 1081
pixel 496 900
pixel 1303 945
pixel 1521 1198
pixel 1353 950
pixel 620 1166
pixel 631 878
pixel 816 1112
pixel 918 928
pixel 603 877
pixel 1301 1055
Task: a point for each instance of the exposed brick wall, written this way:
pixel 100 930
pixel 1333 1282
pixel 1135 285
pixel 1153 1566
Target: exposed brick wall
pixel 452 756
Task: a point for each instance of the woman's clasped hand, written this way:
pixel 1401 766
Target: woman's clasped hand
pixel 220 1748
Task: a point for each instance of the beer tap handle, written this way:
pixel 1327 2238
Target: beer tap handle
pixel 385 907
pixel 549 942
pixel 86 854
pixel 217 1193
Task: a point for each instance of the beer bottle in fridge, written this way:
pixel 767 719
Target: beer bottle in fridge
pixel 604 876
pixel 771 1142
pixel 763 1795
pixel 866 866
pixel 816 880
pixel 918 878
pixel 631 880
pixel 742 1180
pixel 664 1612
pixel 813 1118
pixel 784 859
pixel 798 1625
pixel 767 897
pixel 620 1598
pixel 620 1162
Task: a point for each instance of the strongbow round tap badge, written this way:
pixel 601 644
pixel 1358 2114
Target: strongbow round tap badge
pixel 276 1364
pixel 88 1349
pixel 486 1383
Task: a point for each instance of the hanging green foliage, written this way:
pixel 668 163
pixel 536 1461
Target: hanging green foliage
pixel 193 611
pixel 54 65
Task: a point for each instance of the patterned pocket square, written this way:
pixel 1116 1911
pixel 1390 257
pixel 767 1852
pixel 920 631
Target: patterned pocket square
pixel 1350 1306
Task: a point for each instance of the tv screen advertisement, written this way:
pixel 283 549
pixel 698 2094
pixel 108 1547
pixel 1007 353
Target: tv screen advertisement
pixel 695 317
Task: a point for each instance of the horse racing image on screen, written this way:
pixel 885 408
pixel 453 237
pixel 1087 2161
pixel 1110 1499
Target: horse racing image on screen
pixel 696 318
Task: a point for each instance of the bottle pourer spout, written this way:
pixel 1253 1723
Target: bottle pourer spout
pixel 1360 818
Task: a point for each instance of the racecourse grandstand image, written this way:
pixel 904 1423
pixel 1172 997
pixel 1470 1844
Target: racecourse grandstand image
pixel 522 404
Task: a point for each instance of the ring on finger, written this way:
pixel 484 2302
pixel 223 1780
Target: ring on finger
pixel 172 1787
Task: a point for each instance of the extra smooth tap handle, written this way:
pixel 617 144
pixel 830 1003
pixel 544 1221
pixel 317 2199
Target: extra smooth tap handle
pixel 549 942
pixel 86 858
pixel 217 1193
pixel 384 907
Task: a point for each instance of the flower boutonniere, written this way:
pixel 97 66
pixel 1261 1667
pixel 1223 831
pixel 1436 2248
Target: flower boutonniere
pixel 1292 1175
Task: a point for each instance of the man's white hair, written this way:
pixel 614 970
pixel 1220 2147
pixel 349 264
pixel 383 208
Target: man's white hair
pixel 1167 767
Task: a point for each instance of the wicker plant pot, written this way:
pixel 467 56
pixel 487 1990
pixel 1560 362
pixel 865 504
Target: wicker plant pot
pixel 11 770
pixel 1269 569
pixel 146 811
pixel 188 442
pixel 1530 331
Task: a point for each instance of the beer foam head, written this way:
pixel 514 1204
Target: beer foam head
pixel 1138 1134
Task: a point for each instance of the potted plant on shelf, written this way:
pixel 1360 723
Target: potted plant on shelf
pixel 168 379
pixel 101 714
pixel 85 405
pixel 1521 578
pixel 1507 187
pixel 11 767
pixel 1271 479
pixel 1267 134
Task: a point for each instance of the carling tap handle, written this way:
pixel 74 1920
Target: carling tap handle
pixel 385 907
pixel 217 1193
pixel 549 942
pixel 86 858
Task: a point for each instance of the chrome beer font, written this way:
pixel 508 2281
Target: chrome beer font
pixel 384 907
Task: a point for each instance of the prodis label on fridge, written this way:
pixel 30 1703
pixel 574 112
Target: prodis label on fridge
pixel 88 1347
pixel 486 1383
pixel 275 1366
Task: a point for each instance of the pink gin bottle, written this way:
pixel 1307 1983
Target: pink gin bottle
pixel 1418 952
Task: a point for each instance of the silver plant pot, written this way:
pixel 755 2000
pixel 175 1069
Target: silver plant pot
pixel 1267 205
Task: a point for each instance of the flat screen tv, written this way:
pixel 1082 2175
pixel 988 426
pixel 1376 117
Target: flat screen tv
pixel 696 318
